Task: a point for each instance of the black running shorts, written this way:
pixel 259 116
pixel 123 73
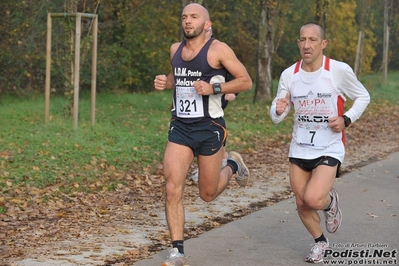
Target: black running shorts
pixel 203 138
pixel 309 165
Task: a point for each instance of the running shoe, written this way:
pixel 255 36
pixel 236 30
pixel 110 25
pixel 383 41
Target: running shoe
pixel 334 215
pixel 194 176
pixel 317 252
pixel 176 259
pixel 242 176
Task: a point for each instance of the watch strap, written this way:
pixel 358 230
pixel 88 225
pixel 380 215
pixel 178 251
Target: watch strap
pixel 217 89
pixel 347 120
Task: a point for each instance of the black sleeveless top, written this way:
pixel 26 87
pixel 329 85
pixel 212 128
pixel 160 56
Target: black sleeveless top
pixel 188 106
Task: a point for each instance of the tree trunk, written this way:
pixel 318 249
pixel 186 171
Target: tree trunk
pixel 264 82
pixel 321 13
pixel 386 43
pixel 71 7
pixel 359 50
pixel 364 10
pixel 359 54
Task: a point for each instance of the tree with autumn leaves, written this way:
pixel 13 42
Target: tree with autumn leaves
pixel 135 35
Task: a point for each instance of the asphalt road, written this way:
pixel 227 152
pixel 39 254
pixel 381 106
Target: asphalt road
pixel 369 235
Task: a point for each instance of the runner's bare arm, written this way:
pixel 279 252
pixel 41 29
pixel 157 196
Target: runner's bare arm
pixel 221 55
pixel 162 82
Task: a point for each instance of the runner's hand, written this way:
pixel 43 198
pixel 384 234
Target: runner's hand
pixel 230 97
pixel 203 88
pixel 337 123
pixel 282 104
pixel 160 82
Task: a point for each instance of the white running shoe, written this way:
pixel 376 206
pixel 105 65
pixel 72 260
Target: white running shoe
pixel 334 215
pixel 317 252
pixel 194 176
pixel 242 176
pixel 175 259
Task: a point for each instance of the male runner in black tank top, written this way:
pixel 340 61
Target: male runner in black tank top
pixel 197 127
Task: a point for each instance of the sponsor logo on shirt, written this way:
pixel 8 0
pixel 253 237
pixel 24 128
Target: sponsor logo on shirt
pixel 324 95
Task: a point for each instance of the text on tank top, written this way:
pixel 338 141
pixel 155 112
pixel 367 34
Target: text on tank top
pixel 190 107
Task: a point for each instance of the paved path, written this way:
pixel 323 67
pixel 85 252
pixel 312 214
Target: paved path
pixel 369 200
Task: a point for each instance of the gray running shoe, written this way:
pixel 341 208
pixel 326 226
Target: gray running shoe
pixel 176 259
pixel 194 176
pixel 317 252
pixel 242 176
pixel 334 215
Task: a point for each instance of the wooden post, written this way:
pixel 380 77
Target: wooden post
pixel 94 72
pixel 77 71
pixel 76 64
pixel 48 70
pixel 385 50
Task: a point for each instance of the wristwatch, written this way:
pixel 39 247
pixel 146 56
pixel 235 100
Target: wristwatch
pixel 347 120
pixel 216 88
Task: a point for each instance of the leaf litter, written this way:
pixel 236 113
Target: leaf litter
pixel 126 225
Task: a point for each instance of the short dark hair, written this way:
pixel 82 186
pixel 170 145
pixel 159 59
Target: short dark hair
pixel 322 31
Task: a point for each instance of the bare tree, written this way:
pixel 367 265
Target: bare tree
pixel 364 11
pixel 70 6
pixel 386 42
pixel 321 13
pixel 264 81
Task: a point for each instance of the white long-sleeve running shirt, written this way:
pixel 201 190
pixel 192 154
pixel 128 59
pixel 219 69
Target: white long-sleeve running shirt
pixel 316 97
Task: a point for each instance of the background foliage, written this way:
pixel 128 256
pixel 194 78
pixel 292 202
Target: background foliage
pixel 135 35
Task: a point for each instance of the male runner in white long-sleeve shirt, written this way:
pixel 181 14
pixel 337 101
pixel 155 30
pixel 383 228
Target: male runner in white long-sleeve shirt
pixel 315 87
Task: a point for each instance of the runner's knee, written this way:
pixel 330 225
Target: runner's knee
pixel 314 201
pixel 208 196
pixel 173 192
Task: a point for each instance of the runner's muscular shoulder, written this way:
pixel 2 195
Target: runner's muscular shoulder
pixel 173 49
pixel 221 55
pixel 217 53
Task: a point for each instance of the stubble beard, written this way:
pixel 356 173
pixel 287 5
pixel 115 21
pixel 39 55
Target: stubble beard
pixel 192 35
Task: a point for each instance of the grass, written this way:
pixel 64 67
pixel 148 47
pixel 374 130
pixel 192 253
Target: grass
pixel 383 91
pixel 129 136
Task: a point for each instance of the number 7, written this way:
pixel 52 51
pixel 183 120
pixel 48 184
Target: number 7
pixel 313 133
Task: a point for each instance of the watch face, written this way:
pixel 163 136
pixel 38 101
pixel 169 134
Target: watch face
pixel 216 88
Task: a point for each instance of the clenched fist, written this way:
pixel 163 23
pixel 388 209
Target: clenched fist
pixel 203 88
pixel 160 82
pixel 282 104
